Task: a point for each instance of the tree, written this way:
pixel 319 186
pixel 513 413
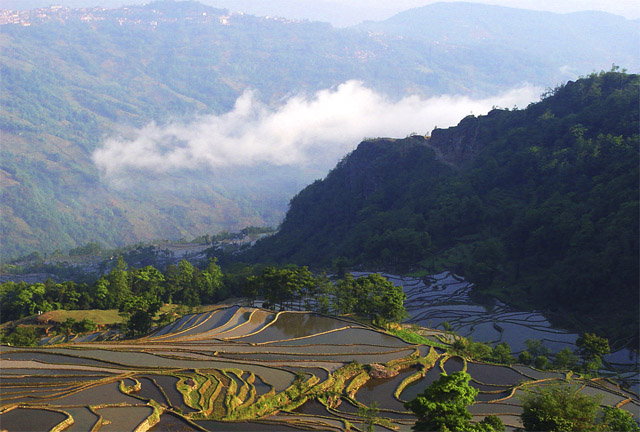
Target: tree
pixel 22 336
pixel 147 280
pixel 525 357
pixel 372 295
pixel 541 362
pixel 117 284
pixel 502 354
pixel 85 325
pixel 66 326
pixel 71 326
pixel 443 406
pixel 565 359
pixel 615 419
pixel 560 409
pixel 392 307
pixel 139 312
pixel 535 348
pixel 591 348
pixel 211 282
pixel 490 423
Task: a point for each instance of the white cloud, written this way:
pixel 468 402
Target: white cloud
pixel 304 131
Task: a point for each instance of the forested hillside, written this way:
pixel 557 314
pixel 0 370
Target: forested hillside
pixel 537 206
pixel 73 77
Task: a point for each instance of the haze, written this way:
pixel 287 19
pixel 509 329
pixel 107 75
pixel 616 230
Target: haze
pixel 351 12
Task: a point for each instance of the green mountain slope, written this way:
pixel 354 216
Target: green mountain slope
pixel 537 206
pixel 73 77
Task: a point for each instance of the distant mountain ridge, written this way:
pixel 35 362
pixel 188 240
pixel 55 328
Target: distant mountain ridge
pixel 548 37
pixel 72 78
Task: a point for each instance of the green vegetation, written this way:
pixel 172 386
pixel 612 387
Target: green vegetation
pixel 538 207
pixel 591 348
pixel 371 296
pixel 615 419
pixel 480 351
pixel 70 326
pixel 140 293
pixel 20 336
pixel 443 407
pixel 137 292
pixel 561 408
pixel 413 337
pixel 369 415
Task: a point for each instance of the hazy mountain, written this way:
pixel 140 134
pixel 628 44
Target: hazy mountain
pixel 80 160
pixel 548 40
pixel 344 13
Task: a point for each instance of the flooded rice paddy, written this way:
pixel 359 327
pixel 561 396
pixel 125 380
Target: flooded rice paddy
pixel 173 423
pixel 446 298
pixel 231 368
pixel 29 420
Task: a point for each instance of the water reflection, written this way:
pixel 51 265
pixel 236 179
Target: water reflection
pixel 295 325
pixel 446 297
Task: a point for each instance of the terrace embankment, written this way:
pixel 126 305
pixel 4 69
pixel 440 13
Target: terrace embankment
pixel 252 369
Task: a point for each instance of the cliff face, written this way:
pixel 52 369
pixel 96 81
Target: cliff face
pixel 458 145
pixel 368 168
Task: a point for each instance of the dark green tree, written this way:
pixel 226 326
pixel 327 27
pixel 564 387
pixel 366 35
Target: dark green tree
pixel 22 336
pixel 66 326
pixel 211 283
pixel 117 284
pixel 565 359
pixel 443 406
pixel 502 354
pixel 147 280
pixel 591 348
pixel 559 408
pixel 85 325
pixel 615 419
pixel 139 312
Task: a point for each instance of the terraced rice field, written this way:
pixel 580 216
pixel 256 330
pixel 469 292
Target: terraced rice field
pixel 446 297
pixel 238 368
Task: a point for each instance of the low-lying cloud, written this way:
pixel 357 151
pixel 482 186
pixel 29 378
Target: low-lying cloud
pixel 304 131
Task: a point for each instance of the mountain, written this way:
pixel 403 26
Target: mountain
pixel 538 206
pixel 548 40
pixel 74 78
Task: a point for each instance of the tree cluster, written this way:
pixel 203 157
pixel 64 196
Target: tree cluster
pixel 590 348
pixel 443 406
pixel 371 296
pixel 562 408
pixel 137 292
